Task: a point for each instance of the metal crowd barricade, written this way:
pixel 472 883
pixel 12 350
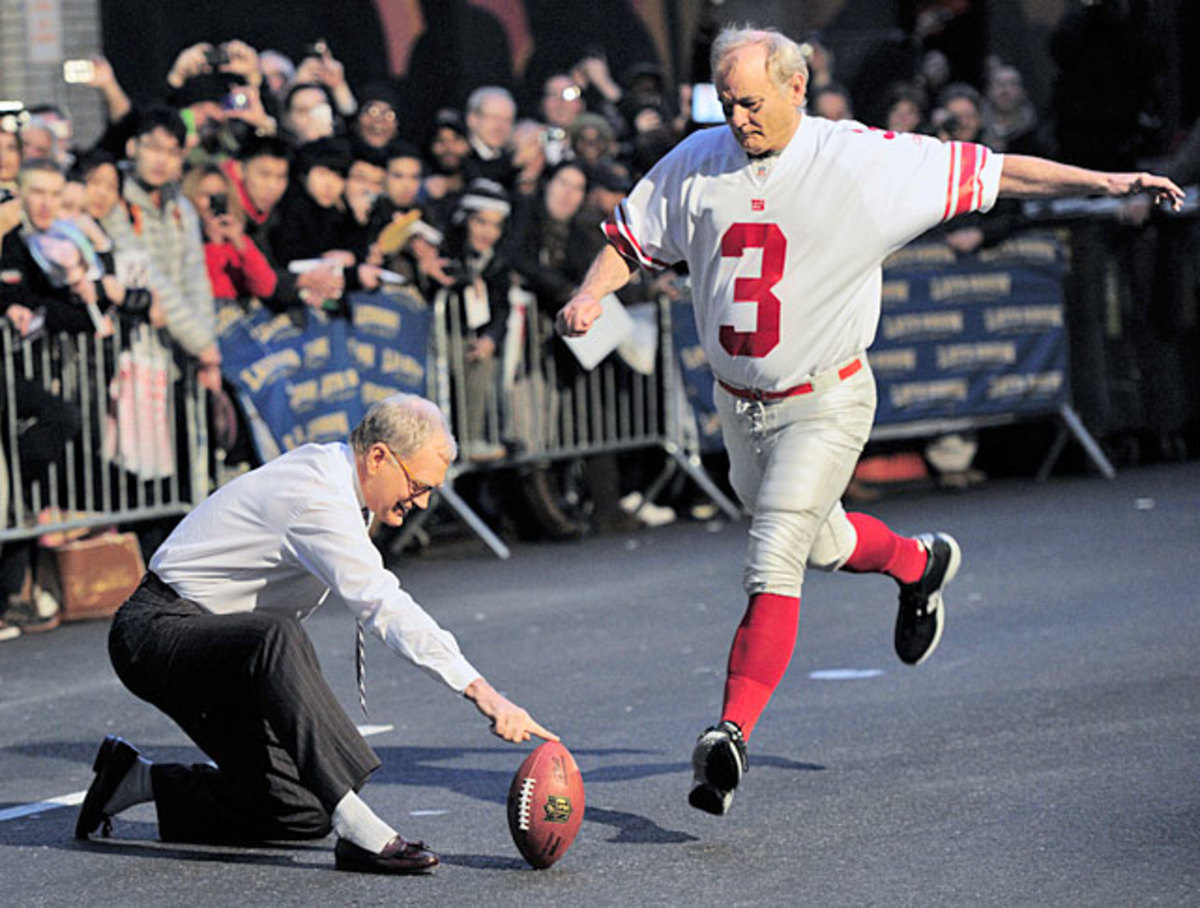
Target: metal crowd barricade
pixel 1132 312
pixel 533 405
pixel 141 449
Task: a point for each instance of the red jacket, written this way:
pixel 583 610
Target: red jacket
pixel 235 274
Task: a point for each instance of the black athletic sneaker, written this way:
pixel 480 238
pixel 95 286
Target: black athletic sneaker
pixel 718 763
pixel 919 623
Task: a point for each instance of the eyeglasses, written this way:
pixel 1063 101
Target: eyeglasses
pixel 415 489
pixel 379 110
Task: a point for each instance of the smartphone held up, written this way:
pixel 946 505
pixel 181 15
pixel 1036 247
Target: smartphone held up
pixel 78 72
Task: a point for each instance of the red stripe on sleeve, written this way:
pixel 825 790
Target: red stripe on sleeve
pixel 617 231
pixel 977 198
pixel 966 180
pixel 626 243
pixel 613 234
pixel 955 149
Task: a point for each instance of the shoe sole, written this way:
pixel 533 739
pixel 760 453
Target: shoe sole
pixel 936 596
pixel 375 869
pixel 710 799
pixel 717 772
pixel 41 627
pixel 117 756
pixel 356 863
pixel 718 766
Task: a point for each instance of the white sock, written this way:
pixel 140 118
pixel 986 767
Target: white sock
pixel 135 788
pixel 355 821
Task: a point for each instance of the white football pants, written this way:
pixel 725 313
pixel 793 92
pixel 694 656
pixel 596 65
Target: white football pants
pixel 789 462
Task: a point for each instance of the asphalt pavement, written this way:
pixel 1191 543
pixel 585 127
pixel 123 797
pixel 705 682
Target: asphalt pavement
pixel 1047 754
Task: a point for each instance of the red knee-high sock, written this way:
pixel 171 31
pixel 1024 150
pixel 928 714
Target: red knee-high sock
pixel 762 649
pixel 880 551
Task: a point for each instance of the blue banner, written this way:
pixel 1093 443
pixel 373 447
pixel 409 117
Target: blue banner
pixel 972 335
pixel 960 336
pixel 697 376
pixel 305 377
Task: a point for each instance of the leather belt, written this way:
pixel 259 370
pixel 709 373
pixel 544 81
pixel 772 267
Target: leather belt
pixel 806 388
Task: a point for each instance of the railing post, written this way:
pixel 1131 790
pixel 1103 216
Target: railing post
pixel 666 365
pixel 12 425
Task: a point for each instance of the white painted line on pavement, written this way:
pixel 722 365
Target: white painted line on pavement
pixel 24 810
pixel 76 797
pixel 845 674
pixel 367 730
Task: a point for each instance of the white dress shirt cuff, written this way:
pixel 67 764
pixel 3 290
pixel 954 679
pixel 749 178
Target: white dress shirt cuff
pixel 459 674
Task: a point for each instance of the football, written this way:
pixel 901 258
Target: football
pixel 545 804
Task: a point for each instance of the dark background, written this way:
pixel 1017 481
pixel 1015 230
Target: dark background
pixel 464 45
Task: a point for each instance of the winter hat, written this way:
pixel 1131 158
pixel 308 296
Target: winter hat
pixel 484 195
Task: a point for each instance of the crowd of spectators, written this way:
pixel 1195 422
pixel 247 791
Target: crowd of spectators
pixel 260 179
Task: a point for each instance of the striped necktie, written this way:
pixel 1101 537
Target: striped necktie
pixel 360 652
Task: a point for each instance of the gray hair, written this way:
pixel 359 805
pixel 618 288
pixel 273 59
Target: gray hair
pixel 479 95
pixel 284 62
pixel 785 58
pixel 405 423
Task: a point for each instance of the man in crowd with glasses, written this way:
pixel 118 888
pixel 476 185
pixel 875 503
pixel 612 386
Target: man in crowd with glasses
pixel 212 637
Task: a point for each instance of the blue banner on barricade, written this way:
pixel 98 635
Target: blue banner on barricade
pixel 959 337
pixel 390 343
pixel 972 336
pixel 305 377
pixel 697 376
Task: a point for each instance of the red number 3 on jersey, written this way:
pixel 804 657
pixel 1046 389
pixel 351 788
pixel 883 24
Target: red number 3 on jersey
pixel 765 336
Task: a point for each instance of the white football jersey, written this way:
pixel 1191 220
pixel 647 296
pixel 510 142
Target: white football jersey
pixel 786 268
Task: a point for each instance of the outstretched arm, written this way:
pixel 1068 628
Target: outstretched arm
pixel 609 272
pixel 1032 178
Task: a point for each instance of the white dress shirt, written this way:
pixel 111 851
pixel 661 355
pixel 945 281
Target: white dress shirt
pixel 282 537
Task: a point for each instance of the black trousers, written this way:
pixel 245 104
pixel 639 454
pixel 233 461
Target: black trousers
pixel 248 689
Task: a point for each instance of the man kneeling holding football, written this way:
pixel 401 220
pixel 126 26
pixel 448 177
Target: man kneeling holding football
pixel 212 637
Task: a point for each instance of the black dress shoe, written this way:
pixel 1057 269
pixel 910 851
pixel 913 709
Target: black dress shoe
pixel 397 857
pixel 113 761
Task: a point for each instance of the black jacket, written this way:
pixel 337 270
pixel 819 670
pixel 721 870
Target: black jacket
pixel 305 230
pixel 496 275
pixel 22 282
pixel 550 263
